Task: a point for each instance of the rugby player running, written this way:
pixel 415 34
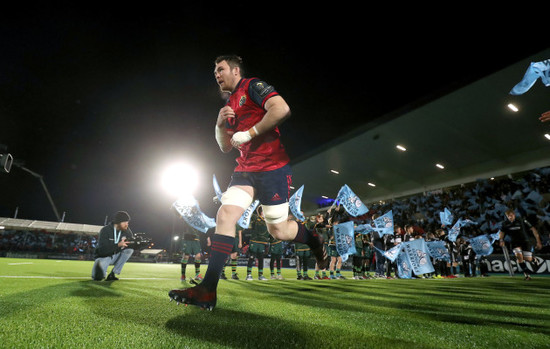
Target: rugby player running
pixel 249 122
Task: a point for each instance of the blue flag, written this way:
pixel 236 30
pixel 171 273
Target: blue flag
pixel 418 256
pixel 364 229
pixel 244 221
pixel 446 217
pixel 353 205
pixel 482 245
pixel 344 239
pixel 535 71
pixel 384 224
pixel 534 196
pixel 217 189
pixel 295 204
pixel 438 250
pixel 455 230
pixel 392 253
pixel 404 270
pixel 189 209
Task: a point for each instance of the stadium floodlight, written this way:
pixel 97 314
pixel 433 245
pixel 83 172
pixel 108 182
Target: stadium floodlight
pixel 6 160
pixel 513 107
pixel 180 180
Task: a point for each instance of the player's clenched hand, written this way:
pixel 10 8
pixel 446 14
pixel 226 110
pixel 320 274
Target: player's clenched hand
pixel 545 116
pixel 240 138
pixel 225 113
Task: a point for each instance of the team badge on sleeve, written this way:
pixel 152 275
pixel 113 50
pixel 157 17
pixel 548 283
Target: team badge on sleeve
pixel 262 89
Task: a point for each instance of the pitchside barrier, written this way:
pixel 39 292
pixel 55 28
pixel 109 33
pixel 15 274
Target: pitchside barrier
pixel 496 263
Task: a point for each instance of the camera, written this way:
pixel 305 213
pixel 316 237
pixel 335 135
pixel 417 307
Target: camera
pixel 139 241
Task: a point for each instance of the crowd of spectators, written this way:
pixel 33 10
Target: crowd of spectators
pixel 37 241
pixel 483 202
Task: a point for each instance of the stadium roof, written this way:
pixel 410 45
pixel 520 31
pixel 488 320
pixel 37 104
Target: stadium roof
pixel 53 227
pixel 471 132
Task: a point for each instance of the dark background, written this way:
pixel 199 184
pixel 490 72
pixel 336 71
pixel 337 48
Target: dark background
pixel 100 100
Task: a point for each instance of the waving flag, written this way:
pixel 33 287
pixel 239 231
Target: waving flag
pixel 404 270
pixel 295 204
pixel 455 230
pixel 392 253
pixel 418 256
pixel 344 239
pixel 364 229
pixel 244 221
pixel 217 189
pixel 189 209
pixel 438 250
pixel 535 71
pixel 482 244
pixel 353 205
pixel 446 217
pixel 534 196
pixel 384 223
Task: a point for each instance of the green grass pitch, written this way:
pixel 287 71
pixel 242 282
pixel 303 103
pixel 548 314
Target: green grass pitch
pixel 55 304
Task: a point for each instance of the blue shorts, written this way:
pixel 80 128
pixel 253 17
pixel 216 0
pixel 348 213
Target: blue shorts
pixel 271 187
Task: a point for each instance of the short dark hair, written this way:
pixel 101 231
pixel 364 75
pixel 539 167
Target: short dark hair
pixel 232 60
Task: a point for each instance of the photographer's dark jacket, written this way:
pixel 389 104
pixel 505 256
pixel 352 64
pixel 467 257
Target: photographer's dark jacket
pixel 107 245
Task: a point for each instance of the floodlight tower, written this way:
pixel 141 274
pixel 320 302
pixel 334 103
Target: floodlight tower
pixel 41 179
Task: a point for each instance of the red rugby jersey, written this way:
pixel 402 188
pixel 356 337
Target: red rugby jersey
pixel 264 152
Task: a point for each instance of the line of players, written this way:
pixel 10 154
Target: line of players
pixel 463 260
pixel 261 244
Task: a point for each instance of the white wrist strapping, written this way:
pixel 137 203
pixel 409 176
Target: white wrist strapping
pixel 221 136
pixel 241 137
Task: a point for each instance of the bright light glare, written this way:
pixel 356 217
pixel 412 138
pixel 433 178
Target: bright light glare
pixel 440 166
pixel 513 107
pixel 372 184
pixel 334 171
pixel 400 147
pixel 180 180
pixel 547 136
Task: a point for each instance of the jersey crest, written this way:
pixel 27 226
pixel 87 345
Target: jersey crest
pixel 242 101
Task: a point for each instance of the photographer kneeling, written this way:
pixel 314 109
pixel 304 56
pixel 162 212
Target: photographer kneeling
pixel 112 248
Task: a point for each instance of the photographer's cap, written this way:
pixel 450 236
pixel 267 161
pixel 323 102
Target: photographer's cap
pixel 121 216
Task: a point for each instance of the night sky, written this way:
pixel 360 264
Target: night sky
pixel 99 102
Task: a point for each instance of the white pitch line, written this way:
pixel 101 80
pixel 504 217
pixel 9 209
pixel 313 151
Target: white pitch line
pixel 20 263
pixel 70 277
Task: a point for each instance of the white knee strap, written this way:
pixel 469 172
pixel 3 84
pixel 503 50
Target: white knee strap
pixel 274 214
pixel 237 197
